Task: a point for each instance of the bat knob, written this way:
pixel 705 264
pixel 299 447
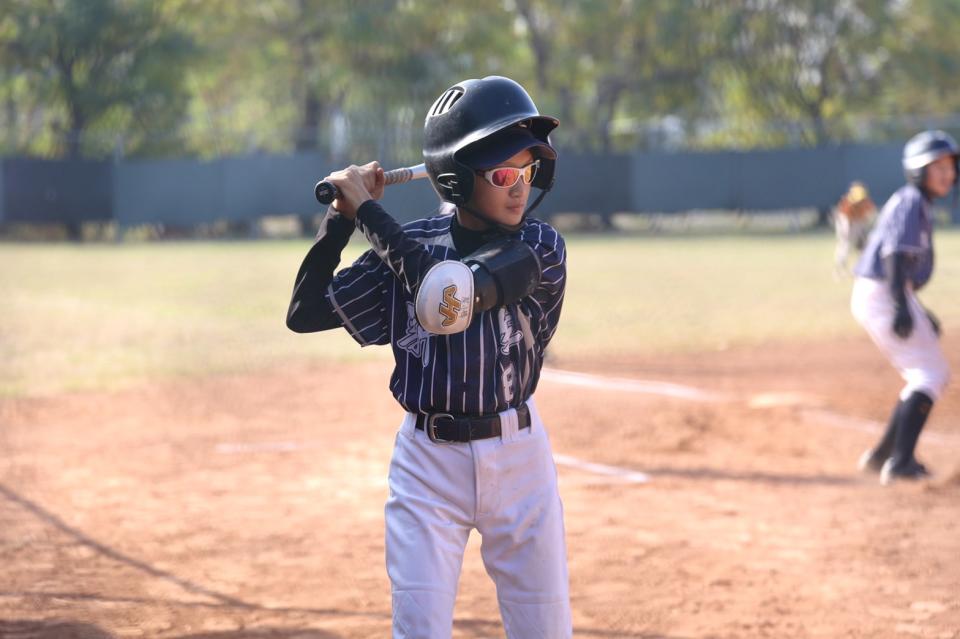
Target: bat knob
pixel 325 192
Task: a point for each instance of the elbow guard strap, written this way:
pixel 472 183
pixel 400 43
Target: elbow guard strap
pixel 500 273
pixel 504 272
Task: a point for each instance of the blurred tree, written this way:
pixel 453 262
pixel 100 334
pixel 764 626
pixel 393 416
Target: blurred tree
pixel 653 69
pixel 349 80
pixel 925 64
pixel 95 68
pixel 611 62
pixel 352 80
pixel 401 54
pixel 798 71
pixel 249 91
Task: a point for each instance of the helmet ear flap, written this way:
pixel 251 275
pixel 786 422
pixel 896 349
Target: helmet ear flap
pixel 546 174
pixel 915 176
pixel 449 184
pixel 455 187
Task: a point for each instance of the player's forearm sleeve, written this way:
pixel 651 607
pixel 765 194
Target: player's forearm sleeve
pixel 309 309
pixel 897 266
pixel 407 258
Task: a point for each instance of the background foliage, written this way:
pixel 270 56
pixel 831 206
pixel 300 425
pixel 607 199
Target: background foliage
pixel 208 78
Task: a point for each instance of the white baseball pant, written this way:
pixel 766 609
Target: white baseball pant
pixel 506 488
pixel 919 357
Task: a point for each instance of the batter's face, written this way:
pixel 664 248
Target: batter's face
pixel 940 175
pixel 501 205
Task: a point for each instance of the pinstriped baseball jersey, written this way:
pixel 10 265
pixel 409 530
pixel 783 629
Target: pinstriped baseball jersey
pixel 493 365
pixel 904 226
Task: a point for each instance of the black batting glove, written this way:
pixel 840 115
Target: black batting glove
pixel 902 321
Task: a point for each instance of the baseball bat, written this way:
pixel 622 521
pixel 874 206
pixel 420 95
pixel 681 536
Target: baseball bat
pixel 327 192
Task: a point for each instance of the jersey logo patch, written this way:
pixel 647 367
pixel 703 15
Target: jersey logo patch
pixel 415 340
pixel 450 306
pixel 508 334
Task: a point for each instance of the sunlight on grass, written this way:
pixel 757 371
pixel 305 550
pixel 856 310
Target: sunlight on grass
pixel 673 294
pixel 101 316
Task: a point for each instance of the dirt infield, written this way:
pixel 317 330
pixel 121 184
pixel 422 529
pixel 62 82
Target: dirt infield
pixel 251 506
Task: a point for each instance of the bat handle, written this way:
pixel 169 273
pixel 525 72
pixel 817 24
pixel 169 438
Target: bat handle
pixel 398 176
pixel 325 192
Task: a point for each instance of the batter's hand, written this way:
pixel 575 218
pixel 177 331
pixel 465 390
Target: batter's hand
pixel 356 185
pixel 902 321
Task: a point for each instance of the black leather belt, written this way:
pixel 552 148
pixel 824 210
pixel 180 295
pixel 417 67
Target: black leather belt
pixel 444 427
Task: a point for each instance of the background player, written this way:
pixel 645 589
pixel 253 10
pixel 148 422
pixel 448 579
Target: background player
pixel 851 219
pixel 468 299
pixel 897 262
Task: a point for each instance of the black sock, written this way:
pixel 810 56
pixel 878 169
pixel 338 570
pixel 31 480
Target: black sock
pixel 884 447
pixel 913 415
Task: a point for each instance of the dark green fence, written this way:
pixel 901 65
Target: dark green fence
pixel 190 192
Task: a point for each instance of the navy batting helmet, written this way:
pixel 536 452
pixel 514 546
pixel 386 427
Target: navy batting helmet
pixel 473 112
pixel 924 148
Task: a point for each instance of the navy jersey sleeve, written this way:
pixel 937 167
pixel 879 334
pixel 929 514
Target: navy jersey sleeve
pixel 358 297
pixel 903 232
pixel 353 299
pixel 406 258
pixel 548 296
pixel 309 309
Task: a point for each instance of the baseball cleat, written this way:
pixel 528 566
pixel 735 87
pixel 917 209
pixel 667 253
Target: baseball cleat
pixel 870 462
pixel 911 470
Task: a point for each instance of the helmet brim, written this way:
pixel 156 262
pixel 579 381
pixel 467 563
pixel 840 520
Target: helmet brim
pixel 502 146
pixel 923 159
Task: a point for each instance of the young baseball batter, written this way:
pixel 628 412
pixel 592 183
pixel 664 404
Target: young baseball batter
pixel 468 300
pixel 897 262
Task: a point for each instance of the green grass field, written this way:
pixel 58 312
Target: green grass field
pixel 103 316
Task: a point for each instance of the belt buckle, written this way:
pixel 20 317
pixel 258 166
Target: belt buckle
pixel 431 428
